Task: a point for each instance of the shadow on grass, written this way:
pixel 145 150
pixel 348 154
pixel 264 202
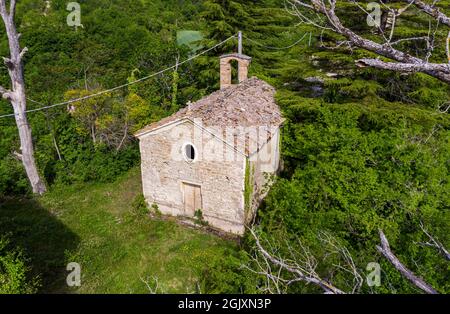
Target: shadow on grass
pixel 44 239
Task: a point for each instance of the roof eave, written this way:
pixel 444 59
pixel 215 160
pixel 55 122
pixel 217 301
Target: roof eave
pixel 148 130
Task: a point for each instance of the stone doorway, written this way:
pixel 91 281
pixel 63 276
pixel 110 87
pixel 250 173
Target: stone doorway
pixel 192 198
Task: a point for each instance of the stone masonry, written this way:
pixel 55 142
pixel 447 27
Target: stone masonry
pixel 185 158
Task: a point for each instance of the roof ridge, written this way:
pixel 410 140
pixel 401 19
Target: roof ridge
pixel 251 102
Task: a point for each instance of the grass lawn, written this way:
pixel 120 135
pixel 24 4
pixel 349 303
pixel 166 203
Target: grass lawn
pixel 95 226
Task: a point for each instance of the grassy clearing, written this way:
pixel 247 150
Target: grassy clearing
pixel 96 226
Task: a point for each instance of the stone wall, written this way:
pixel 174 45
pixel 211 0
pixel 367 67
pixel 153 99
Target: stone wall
pixel 265 164
pixel 164 170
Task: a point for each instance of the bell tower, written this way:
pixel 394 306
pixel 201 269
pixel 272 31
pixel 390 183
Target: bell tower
pixel 225 66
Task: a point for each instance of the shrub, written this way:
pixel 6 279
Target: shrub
pixel 226 274
pixel 14 272
pixel 96 165
pixel 199 219
pixel 140 205
pixel 155 210
pixel 352 169
pixel 13 180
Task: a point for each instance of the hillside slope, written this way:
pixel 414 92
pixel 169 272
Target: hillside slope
pixel 118 249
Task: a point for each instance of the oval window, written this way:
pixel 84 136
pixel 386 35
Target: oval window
pixel 189 152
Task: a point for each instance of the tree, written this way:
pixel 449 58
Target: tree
pixel 322 14
pixel 92 113
pixel 16 96
pixel 356 168
pixel 385 249
pixel 302 266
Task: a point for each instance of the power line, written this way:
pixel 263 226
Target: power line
pixel 123 85
pixel 36 102
pixel 280 48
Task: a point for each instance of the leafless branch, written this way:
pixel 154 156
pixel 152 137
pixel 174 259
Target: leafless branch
pixel 17 155
pixel 447 47
pixel 385 249
pixel 6 93
pixel 405 62
pixel 3 12
pixel 446 109
pixel 405 67
pixel 435 243
pixel 393 43
pixel 152 289
pixel 343 252
pixel 23 52
pixel 432 11
pixel 302 267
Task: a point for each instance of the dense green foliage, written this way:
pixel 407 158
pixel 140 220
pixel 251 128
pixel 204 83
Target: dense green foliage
pixel 353 169
pixel 118 43
pixel 14 272
pixel 104 228
pixel 363 149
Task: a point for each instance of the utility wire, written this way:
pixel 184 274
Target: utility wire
pixel 123 85
pixel 36 102
pixel 279 48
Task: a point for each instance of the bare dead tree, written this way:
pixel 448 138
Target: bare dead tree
pixel 281 272
pixel 322 14
pixel 16 96
pixel 300 265
pixel 385 249
pixel 434 243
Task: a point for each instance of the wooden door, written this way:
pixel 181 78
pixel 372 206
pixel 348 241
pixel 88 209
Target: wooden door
pixel 192 199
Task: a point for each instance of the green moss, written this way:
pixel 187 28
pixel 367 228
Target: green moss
pixel 248 187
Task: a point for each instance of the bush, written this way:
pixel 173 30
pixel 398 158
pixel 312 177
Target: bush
pixel 96 165
pixel 13 180
pixel 199 219
pixel 14 272
pixel 225 274
pixel 139 205
pixel 352 169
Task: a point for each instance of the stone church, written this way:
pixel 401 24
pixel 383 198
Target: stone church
pixel 215 156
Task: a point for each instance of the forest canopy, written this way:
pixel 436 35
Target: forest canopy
pixel 363 148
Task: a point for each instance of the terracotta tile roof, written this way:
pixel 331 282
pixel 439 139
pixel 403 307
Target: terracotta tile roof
pixel 250 103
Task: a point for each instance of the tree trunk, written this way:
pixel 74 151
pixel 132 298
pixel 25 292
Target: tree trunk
pixel 26 142
pixel 385 249
pixel 16 96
